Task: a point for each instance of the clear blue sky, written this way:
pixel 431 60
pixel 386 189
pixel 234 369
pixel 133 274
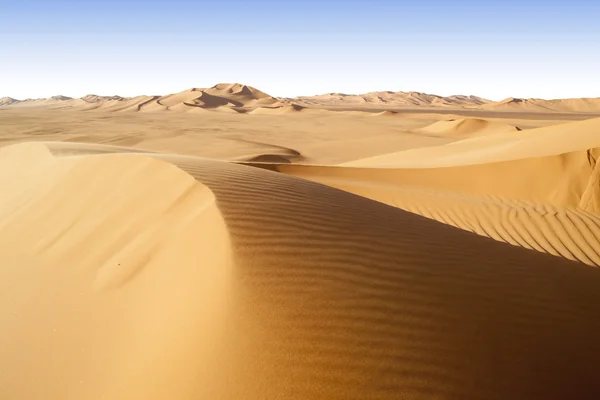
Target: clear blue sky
pixel 494 49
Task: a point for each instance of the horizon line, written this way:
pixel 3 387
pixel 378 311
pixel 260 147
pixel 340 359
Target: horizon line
pixel 300 96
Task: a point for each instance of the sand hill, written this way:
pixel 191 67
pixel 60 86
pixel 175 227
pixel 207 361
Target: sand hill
pixel 508 143
pixel 60 98
pixel 234 276
pixel 92 98
pixel 468 127
pixel 419 100
pixel 5 101
pixel 288 109
pixel 583 105
pixel 397 99
pixel 222 97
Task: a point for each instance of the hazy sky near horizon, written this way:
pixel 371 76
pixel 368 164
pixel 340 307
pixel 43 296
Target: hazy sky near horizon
pixel 493 49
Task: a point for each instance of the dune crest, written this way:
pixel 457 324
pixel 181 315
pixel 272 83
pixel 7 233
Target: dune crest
pixel 468 127
pixel 289 288
pixel 224 97
pixel 247 98
pixel 387 98
pixel 582 105
pixel 505 144
pixel 287 109
pixel 6 101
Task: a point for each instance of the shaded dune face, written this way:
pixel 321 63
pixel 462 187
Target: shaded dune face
pixel 354 298
pixel 563 224
pixel 553 213
pixel 271 286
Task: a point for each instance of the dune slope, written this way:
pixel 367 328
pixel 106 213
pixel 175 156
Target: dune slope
pixel 535 196
pixel 468 127
pixel 245 283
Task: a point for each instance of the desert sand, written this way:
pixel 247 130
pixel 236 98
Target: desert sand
pixel 222 243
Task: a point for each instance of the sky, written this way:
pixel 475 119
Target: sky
pixel 493 49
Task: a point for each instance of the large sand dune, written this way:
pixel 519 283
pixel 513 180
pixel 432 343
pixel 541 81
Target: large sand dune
pixel 220 243
pixel 507 144
pixel 235 282
pixel 468 127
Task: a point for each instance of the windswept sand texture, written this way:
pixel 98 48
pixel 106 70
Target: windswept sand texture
pixel 224 244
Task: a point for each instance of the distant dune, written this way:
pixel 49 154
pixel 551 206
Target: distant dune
pixel 92 98
pixel 468 127
pixel 583 105
pixel 416 99
pixel 6 101
pixel 287 109
pixel 221 97
pixel 400 99
pixel 505 144
pixel 243 98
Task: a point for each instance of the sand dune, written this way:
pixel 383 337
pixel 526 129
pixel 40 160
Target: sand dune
pixel 503 146
pixel 398 99
pixel 288 109
pixel 423 100
pixel 44 102
pixel 5 101
pixel 386 114
pixel 92 98
pixel 246 95
pixel 236 282
pixel 60 98
pixel 583 105
pixel 272 154
pixel 522 189
pixel 222 97
pixel 115 103
pixel 561 231
pixel 468 127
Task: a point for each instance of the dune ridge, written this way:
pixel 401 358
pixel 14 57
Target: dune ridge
pixel 283 287
pixel 221 97
pixel 505 145
pixel 565 232
pixel 5 101
pixel 246 98
pixel 583 105
pixel 518 187
pixel 400 99
pixel 468 127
